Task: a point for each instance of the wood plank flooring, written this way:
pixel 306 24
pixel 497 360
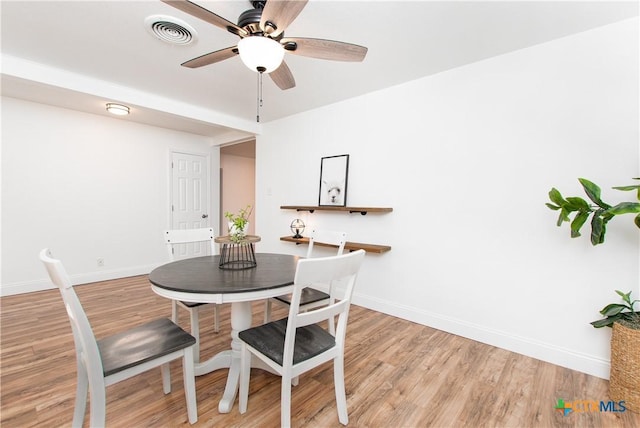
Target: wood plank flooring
pixel 398 374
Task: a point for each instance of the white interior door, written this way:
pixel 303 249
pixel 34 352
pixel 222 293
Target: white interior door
pixel 189 198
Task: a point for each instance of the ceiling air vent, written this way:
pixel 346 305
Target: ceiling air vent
pixel 170 29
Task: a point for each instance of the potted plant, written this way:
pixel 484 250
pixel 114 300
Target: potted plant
pixel 238 223
pixel 624 379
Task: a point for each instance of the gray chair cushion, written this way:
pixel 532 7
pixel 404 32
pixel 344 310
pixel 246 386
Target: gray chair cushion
pixel 141 344
pixel 308 295
pixel 268 338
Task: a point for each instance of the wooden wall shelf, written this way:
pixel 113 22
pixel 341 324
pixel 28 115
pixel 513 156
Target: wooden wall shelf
pixel 351 246
pixel 361 210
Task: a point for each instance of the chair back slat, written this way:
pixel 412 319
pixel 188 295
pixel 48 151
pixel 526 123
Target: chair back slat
pixel 174 237
pixel 315 316
pixel 329 237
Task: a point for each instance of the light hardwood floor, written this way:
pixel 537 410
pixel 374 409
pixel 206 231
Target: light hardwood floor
pixel 398 374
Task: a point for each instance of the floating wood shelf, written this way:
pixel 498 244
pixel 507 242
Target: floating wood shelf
pixel 361 210
pixel 351 246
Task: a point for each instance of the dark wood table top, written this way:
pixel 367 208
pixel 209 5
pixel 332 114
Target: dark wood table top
pixel 203 276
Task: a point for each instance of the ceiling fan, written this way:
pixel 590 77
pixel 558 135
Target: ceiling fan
pixel 262 43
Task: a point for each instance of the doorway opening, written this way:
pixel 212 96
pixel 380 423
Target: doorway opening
pixel 237 181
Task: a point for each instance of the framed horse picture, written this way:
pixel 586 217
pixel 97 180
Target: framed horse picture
pixel 334 171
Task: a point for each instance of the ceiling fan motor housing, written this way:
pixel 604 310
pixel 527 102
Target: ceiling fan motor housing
pixel 250 21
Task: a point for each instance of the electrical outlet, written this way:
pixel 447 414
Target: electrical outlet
pixel 100 261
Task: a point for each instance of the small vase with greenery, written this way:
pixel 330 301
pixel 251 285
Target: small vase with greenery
pixel 238 223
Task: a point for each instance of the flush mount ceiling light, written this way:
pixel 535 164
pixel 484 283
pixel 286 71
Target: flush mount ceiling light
pixel 260 53
pixel 117 109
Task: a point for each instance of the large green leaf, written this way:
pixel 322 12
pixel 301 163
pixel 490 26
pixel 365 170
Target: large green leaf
pixel 608 322
pixel 605 322
pixel 593 192
pixel 637 221
pixel 578 204
pixel 605 219
pixel 624 208
pixel 577 223
pixel 634 187
pixel 613 309
pixel 625 296
pixel 556 197
pixel 553 207
pixel 564 216
pixel 597 228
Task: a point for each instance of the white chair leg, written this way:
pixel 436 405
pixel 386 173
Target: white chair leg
pixel 267 311
pixel 285 402
pixel 341 397
pixel 166 378
pixel 189 378
pixel 97 404
pixel 174 311
pixel 216 319
pixel 195 332
pixel 82 389
pixel 245 374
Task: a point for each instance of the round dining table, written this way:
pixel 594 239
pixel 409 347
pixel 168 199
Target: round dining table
pixel 201 280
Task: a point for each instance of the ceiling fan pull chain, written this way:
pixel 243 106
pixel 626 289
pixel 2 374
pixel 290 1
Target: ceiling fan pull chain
pixel 258 100
pixel 261 71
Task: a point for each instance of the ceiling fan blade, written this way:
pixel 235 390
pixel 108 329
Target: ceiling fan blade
pixel 282 77
pixel 211 57
pixel 206 15
pixel 324 49
pixel 278 14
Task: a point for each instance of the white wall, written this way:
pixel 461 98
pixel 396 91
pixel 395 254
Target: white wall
pixel 466 159
pixel 86 186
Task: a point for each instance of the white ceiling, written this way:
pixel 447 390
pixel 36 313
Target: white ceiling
pixel 80 54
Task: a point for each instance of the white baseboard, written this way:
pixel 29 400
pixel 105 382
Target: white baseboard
pixel 84 278
pixel 521 345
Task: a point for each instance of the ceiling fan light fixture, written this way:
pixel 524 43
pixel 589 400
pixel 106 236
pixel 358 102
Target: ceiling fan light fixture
pixel 117 109
pixel 259 52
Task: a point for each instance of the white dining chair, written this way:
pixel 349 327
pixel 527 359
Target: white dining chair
pixel 112 359
pixel 312 297
pixel 296 344
pixel 176 240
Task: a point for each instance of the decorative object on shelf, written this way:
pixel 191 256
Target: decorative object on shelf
pixel 297 227
pixel 238 223
pixel 334 171
pixel 237 255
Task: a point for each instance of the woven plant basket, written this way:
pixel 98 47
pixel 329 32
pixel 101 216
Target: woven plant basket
pixel 624 379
